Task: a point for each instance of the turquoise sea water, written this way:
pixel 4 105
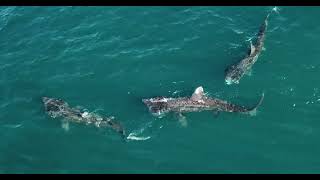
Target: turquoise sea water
pixel 106 59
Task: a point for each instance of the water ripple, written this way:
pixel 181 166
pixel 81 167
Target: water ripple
pixel 5 15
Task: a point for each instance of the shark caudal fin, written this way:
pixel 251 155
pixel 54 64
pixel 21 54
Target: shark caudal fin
pixel 275 9
pixel 253 111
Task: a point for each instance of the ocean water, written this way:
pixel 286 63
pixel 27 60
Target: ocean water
pixel 106 59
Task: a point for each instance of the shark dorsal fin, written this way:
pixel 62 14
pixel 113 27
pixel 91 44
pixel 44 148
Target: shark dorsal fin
pixel 252 48
pixel 197 94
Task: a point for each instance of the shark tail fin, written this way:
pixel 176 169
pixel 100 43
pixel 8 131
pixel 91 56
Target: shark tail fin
pixel 275 9
pixel 253 111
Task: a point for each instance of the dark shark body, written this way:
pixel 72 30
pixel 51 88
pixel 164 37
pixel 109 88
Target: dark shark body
pixel 196 103
pixel 235 72
pixel 59 108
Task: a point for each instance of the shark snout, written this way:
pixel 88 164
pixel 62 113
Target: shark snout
pixel 45 99
pixel 146 101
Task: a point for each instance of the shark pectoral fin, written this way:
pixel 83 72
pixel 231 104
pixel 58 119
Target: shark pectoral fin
pixel 216 114
pixel 65 125
pixel 253 112
pixel 248 72
pixel 182 120
pixel 197 94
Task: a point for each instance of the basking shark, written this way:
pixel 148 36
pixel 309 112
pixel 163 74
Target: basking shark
pixel 59 108
pixel 235 72
pixel 160 106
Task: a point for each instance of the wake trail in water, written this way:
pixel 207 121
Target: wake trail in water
pixel 135 135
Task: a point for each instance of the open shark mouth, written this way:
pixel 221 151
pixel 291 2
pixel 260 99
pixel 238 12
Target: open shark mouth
pixel 157 106
pixel 228 81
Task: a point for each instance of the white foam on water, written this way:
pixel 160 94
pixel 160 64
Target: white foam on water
pixel 132 136
pixel 175 92
pixel 249 38
pixel 135 135
pixel 238 31
pixel 13 126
